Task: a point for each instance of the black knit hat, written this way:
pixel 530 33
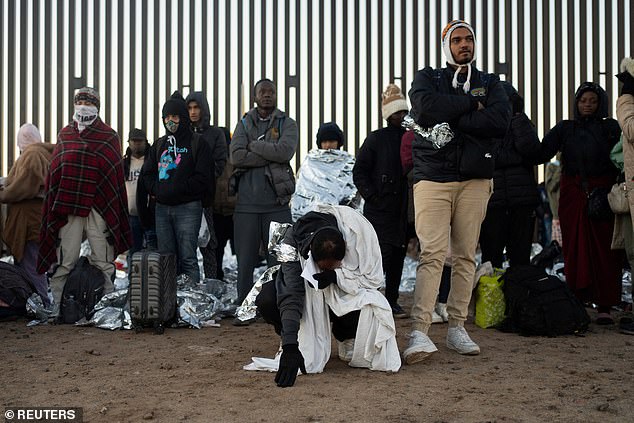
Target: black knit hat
pixel 137 134
pixel 329 131
pixel 175 105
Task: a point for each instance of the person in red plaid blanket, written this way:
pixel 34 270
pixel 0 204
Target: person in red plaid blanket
pixel 85 192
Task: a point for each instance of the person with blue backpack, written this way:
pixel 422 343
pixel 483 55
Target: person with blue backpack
pixel 262 146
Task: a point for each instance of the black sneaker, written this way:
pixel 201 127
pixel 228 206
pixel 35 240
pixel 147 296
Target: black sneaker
pixel 398 312
pixel 626 326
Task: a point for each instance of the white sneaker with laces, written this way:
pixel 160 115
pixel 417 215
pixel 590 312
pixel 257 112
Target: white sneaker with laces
pixel 435 317
pixel 441 310
pixel 419 347
pixel 345 349
pixel 458 340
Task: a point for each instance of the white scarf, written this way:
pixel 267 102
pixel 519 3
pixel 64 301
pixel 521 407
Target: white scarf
pixel 85 116
pixel 446 41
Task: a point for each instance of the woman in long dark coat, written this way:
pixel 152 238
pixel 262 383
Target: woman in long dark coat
pixel 592 269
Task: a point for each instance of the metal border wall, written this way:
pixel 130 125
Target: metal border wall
pixel 330 59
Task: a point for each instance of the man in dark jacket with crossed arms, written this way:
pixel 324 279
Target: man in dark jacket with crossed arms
pixel 452 183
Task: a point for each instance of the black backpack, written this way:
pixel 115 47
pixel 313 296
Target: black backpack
pixel 82 291
pixel 15 287
pixel 541 304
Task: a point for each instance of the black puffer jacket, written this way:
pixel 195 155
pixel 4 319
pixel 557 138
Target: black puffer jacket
pixel 585 142
pixel 514 179
pixel 378 175
pixel 434 100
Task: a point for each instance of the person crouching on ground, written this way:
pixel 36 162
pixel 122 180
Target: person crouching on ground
pixel 334 279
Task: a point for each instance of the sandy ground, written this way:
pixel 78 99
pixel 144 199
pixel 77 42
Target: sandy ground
pixel 196 375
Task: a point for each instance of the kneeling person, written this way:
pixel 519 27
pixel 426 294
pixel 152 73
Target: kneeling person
pixel 334 279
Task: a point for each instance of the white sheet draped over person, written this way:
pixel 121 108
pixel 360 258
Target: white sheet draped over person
pixel 323 287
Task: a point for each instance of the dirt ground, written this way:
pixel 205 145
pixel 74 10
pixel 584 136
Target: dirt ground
pixel 196 376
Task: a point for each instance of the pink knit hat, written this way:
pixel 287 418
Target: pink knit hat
pixel 28 134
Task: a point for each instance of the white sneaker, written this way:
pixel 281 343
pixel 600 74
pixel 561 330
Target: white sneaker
pixel 419 347
pixel 441 310
pixel 345 348
pixel 458 340
pixel 435 317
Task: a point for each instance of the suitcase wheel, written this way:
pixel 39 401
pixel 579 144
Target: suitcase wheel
pixel 159 329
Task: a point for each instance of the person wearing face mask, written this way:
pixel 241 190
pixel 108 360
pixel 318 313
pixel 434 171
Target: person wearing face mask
pixel 177 173
pixel 592 269
pixel 85 193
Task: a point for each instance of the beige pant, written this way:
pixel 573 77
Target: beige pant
pixel 101 256
pixel 444 212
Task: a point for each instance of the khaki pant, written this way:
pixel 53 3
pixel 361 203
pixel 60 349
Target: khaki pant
pixel 444 212
pixel 101 256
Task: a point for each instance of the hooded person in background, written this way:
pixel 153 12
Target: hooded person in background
pixel 325 176
pixel 198 109
pixel 85 193
pixel 452 184
pixel 593 270
pixel 379 176
pixel 23 190
pixel 177 173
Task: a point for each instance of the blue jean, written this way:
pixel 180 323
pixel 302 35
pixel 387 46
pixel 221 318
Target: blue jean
pixel 177 232
pixel 137 234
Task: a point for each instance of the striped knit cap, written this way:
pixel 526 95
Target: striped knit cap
pixel 446 46
pixel 87 94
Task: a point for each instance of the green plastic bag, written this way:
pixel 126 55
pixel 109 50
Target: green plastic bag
pixel 616 155
pixel 490 303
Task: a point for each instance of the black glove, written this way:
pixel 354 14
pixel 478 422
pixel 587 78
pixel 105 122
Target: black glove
pixel 291 361
pixel 325 278
pixel 628 82
pixel 628 86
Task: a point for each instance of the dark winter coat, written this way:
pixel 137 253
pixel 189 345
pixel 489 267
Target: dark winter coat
pixel 260 152
pixel 289 282
pixel 378 175
pixel 213 135
pixel 515 156
pixel 434 101
pixel 585 142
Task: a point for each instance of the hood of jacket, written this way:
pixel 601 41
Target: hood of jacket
pixel 602 110
pixel 307 226
pixel 200 98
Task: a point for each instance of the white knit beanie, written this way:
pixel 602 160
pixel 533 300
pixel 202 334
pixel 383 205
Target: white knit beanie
pixel 28 134
pixel 393 101
pixel 446 47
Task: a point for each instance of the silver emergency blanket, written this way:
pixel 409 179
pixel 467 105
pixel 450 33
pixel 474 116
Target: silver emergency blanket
pixel 246 311
pixel 325 177
pixel 626 287
pixel 408 278
pixel 439 135
pixel 35 308
pixel 283 252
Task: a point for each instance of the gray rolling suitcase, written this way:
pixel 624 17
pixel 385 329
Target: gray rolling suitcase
pixel 152 289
